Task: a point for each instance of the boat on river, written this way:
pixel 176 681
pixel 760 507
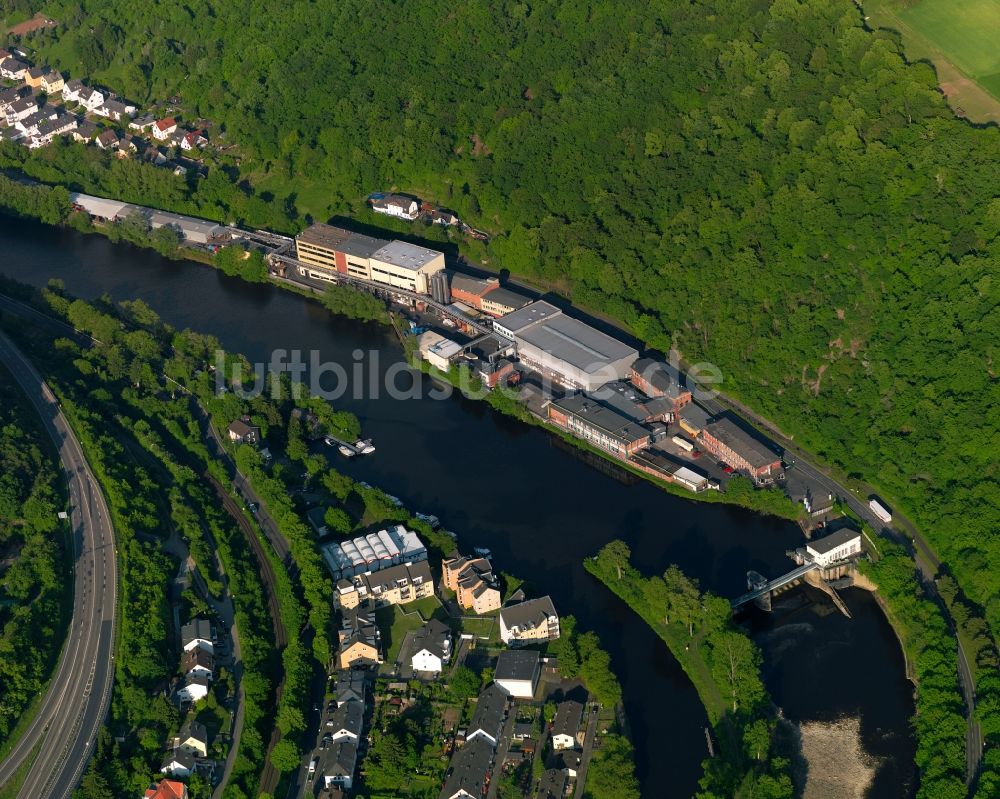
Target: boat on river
pixel 346 451
pixel 364 446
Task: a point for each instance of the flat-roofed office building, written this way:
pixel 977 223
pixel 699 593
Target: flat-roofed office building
pixel 406 266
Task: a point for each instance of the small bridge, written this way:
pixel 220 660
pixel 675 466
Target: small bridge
pixel 761 588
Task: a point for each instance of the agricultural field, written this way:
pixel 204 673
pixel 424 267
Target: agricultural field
pixel 959 37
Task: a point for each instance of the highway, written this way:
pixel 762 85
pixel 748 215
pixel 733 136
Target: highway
pixel 66 724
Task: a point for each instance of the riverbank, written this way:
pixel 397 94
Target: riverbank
pixel 753 752
pixel 460 456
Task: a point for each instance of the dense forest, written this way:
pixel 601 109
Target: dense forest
pixel 755 751
pixel 34 561
pixel 764 184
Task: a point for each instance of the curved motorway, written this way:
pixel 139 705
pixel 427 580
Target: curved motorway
pixel 77 701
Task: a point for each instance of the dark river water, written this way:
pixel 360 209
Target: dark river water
pixel 541 510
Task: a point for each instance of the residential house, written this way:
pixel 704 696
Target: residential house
pixel 72 90
pixel 55 125
pixel 28 126
pixel 469 772
pixel 530 622
pixel 488 717
pixel 21 108
pixel 395 585
pixel 359 639
pixel 374 551
pixel 517 672
pixel 12 69
pixel 552 784
pixel 742 450
pixel 193 738
pixel 193 140
pixel 178 764
pixel 115 109
pixel 142 123
pixel 198 662
pixel 241 432
pixel 107 139
pixel 91 99
pixel 397 205
pixel 33 77
pixel 473 581
pixel 10 95
pixel 52 82
pixel 198 633
pixel 163 128
pixel 350 686
pixel 346 721
pixel 85 132
pixel 167 789
pixel 338 763
pixel 431 647
pixel 194 689
pixel 567 729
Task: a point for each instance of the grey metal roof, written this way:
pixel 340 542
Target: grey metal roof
pixel 572 341
pixel 472 284
pixel 695 415
pixel 361 246
pixel 755 451
pixel 516 664
pixel 405 255
pixel 506 297
pixel 830 542
pixel 602 417
pixel 530 314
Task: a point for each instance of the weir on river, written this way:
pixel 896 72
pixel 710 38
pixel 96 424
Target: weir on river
pixel 501 484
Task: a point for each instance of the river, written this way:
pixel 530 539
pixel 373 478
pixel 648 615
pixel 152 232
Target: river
pixel 541 510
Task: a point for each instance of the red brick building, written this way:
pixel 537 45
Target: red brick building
pixel 734 446
pixel 657 379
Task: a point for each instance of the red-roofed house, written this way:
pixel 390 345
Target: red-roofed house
pixel 167 789
pixel 162 128
pixel 193 139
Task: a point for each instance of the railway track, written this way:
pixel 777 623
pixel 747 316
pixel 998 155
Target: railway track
pixel 270 775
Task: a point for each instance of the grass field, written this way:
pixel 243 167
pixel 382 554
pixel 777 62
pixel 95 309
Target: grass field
pixel 960 38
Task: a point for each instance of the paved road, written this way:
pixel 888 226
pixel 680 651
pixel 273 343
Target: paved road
pixel 927 561
pixel 78 697
pixel 592 711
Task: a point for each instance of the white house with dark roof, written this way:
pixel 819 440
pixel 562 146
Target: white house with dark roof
pixel 178 764
pixel 346 721
pixel 567 726
pixel 431 648
pixel 487 720
pixel 841 545
pixel 397 205
pixel 198 633
pixel 517 672
pixel 532 621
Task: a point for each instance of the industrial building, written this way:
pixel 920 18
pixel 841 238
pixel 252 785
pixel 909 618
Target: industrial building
pixel 372 552
pixel 733 445
pixel 502 301
pixel 406 266
pixel 193 231
pixel 438 351
pixel 599 425
pixel 565 349
pixel 838 546
pixel 334 250
pixel 657 379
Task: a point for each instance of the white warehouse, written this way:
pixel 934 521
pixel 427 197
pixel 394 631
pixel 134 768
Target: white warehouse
pixel 565 349
pixel 372 552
